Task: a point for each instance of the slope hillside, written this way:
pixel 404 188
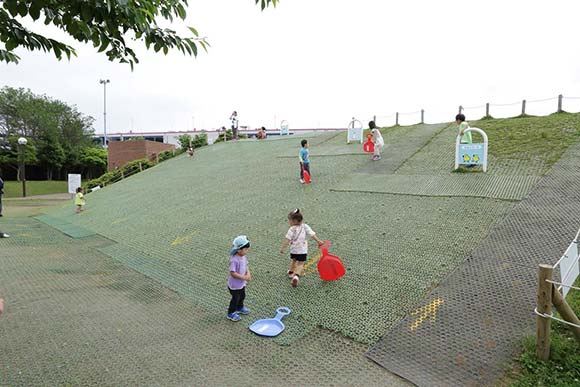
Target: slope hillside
pixel 400 224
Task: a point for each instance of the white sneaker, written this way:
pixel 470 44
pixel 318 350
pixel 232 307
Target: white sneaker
pixel 295 280
pixel 302 181
pixel 2 235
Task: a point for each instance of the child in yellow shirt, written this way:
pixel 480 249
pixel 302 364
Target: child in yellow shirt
pixel 79 200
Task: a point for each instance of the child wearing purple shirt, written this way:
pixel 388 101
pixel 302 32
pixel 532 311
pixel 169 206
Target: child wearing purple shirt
pixel 239 276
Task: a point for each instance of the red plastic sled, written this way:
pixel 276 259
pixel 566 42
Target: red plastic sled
pixel 330 267
pixel 369 146
pixel 306 175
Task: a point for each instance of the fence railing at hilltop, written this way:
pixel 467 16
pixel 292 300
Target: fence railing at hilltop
pixel 486 110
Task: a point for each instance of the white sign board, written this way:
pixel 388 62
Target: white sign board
pixel 355 132
pixel 471 154
pixel 284 128
pixel 74 182
pixel 569 267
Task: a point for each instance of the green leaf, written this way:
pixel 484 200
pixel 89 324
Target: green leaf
pixel 11 44
pixel 12 7
pixel 194 31
pixel 35 10
pixel 104 43
pixel 86 31
pixel 22 9
pixel 86 12
pixel 193 46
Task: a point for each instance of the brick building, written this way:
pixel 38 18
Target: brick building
pixel 122 152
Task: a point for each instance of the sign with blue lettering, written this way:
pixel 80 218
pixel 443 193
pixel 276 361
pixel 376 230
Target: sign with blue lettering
pixel 471 154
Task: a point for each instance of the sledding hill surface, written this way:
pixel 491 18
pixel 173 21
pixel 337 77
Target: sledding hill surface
pixel 400 224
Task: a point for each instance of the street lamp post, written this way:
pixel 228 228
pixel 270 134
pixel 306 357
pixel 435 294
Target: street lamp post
pixel 104 83
pixel 22 152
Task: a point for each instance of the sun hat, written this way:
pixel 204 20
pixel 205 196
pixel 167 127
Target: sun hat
pixel 238 243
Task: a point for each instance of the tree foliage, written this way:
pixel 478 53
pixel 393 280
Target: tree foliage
pixel 57 133
pixel 107 24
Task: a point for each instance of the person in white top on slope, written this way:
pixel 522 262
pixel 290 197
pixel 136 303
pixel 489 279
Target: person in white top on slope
pixel 377 139
pixel 296 239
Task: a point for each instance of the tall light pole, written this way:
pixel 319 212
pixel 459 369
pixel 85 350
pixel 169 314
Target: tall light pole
pixel 104 83
pixel 22 152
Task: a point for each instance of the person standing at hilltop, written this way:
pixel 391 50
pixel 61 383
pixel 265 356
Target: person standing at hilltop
pixel 234 119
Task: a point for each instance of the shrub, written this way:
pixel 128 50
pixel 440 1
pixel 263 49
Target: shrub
pixel 111 177
pixel 229 136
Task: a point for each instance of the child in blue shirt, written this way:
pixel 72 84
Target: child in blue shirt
pixel 304 157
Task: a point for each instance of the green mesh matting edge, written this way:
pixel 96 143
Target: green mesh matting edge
pixel 465 331
pixel 175 223
pixel 475 185
pixel 70 229
pixel 75 317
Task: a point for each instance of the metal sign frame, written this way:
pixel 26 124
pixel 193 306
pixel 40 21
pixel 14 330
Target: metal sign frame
pixel 479 151
pixel 284 128
pixel 355 131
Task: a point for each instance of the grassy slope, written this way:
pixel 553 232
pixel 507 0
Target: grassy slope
pixel 563 368
pixel 13 189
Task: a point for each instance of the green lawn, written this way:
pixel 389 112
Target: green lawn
pixel 529 137
pixel 563 368
pixel 13 189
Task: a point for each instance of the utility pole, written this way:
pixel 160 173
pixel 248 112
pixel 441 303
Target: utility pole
pixel 104 83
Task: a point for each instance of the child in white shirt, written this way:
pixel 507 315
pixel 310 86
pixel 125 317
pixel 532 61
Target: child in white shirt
pixel 296 239
pixel 377 139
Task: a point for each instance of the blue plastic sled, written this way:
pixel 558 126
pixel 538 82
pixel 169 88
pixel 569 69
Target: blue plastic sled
pixel 271 326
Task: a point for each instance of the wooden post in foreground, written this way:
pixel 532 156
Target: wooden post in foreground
pixel 565 311
pixel 140 167
pixel 397 119
pixel 422 116
pixel 560 97
pixel 487 109
pixel 544 305
pixel 524 107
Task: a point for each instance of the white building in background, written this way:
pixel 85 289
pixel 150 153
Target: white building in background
pixel 164 137
pixel 173 137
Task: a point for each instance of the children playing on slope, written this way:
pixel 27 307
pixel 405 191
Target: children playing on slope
pixel 377 139
pixel 304 157
pixel 296 239
pixel 238 277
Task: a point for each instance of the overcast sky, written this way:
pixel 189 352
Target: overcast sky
pixel 319 63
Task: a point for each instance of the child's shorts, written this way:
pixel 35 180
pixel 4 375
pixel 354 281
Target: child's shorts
pixel 299 257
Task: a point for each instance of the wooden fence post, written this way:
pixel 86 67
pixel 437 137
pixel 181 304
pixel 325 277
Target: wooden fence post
pixel 524 107
pixel 140 167
pixel 422 116
pixel 565 311
pixel 487 109
pixel 544 305
pixel 397 119
pixel 560 97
